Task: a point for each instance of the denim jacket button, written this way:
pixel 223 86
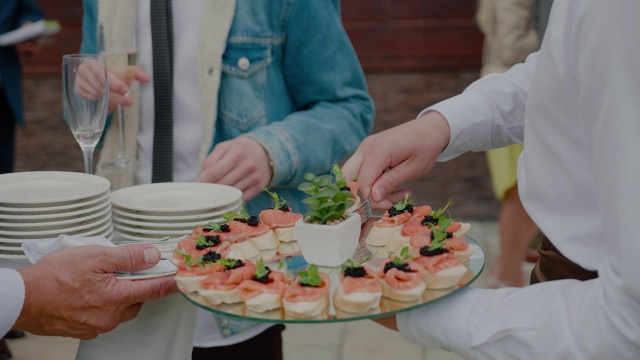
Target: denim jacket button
pixel 243 63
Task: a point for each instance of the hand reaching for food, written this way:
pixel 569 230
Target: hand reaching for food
pixel 242 163
pixel 386 160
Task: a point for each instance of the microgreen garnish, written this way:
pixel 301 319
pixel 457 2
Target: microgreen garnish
pixel 240 214
pixel 202 242
pixel 261 270
pixel 189 260
pixel 278 204
pixel 310 277
pixel 280 264
pixel 439 233
pixel 401 206
pixel 212 226
pixel 230 264
pixel 404 255
pixel 328 198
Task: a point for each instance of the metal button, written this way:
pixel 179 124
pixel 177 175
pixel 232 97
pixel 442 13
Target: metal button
pixel 244 63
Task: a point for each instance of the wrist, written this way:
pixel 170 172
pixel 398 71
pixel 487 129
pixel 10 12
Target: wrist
pixel 438 128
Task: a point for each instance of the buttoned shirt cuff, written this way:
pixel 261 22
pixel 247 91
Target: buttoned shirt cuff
pixel 469 131
pixel 12 293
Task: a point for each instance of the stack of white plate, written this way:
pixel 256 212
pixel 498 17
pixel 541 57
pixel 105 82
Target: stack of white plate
pixel 44 204
pixel 161 213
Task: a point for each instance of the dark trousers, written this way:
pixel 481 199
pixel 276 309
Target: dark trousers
pixel 265 346
pixel 7 134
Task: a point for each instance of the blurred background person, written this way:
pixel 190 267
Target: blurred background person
pixel 509 36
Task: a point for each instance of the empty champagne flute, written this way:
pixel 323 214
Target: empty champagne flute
pixel 120 51
pixel 85 96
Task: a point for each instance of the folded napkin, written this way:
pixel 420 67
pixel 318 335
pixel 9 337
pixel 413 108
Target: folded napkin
pixel 35 249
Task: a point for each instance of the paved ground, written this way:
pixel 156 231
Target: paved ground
pixel 341 341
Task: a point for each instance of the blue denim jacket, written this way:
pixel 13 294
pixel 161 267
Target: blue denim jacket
pixel 303 95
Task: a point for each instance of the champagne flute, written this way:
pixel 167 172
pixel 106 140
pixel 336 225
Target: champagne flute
pixel 121 55
pixel 85 96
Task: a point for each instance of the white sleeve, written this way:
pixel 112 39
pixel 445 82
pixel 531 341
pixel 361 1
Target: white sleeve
pixel 489 113
pixel 569 319
pixel 11 298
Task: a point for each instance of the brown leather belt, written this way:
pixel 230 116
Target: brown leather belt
pixel 552 265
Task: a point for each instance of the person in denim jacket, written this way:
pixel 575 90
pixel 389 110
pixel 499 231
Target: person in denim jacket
pixel 275 91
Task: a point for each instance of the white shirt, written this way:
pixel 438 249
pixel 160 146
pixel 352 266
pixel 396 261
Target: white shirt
pixel 187 118
pixel 579 179
pixel 11 298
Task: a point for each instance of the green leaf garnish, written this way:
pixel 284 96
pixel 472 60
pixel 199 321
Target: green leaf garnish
pixel 212 226
pixel 229 263
pixel 310 277
pixel 328 199
pixel 404 255
pixel 280 264
pixel 201 240
pixel 277 202
pixel 241 214
pixel 189 260
pixel 436 214
pixel 402 204
pixel 261 270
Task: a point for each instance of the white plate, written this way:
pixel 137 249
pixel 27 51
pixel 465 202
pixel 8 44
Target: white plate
pixel 135 237
pixel 4 234
pixel 58 216
pixel 14 257
pixel 49 188
pixel 101 212
pixel 50 210
pixel 10 246
pixel 161 225
pixel 151 233
pixel 123 213
pixel 175 198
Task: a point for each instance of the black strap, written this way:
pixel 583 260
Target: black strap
pixel 162 42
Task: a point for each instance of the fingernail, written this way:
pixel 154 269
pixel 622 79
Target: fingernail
pixel 151 256
pixel 378 194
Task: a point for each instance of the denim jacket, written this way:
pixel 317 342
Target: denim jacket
pixel 291 80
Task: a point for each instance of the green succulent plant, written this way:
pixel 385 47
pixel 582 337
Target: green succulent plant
pixel 328 198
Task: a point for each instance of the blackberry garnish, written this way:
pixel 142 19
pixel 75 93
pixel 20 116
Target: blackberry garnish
pixel 393 212
pixel 253 221
pixel 225 228
pixel 284 207
pixel 211 256
pixel 427 251
pixel 213 239
pixel 264 278
pixel 356 271
pixel 237 264
pixel 402 267
pixel 345 188
pixel 409 209
pixel 429 220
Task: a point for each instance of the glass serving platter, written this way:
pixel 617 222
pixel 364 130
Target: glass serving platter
pixel 231 313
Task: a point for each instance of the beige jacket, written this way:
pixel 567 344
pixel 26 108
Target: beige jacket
pixel 509 31
pixel 217 16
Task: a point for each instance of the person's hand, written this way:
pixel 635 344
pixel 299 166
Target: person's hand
pixel 73 292
pixel 388 322
pixel 90 80
pixel 390 158
pixel 242 163
pixel 118 88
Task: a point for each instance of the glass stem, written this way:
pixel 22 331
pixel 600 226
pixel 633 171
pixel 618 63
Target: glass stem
pixel 87 153
pixel 122 152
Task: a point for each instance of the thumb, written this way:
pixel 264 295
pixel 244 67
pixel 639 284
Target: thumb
pixel 131 258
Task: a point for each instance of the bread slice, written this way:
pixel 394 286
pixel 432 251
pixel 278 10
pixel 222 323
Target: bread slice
pixel 189 283
pixel 264 302
pixel 286 234
pixel 444 278
pixel 464 255
pixel 357 302
pixel 265 241
pixel 409 295
pixel 242 250
pixel 216 297
pixel 380 236
pixel 305 309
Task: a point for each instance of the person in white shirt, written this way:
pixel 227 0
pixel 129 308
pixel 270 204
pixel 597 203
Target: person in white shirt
pixel 73 291
pixel 575 104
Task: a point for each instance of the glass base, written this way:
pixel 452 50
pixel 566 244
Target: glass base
pixel 121 165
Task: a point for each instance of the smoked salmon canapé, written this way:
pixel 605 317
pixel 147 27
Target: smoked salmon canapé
pixel 390 225
pixel 442 268
pixel 263 292
pixel 260 235
pixel 192 270
pixel 402 278
pixel 280 218
pixel 358 289
pixel 222 287
pixel 308 295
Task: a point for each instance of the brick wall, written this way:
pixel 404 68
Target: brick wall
pixel 46 143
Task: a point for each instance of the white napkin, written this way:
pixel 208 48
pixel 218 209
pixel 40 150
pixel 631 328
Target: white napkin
pixel 35 249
